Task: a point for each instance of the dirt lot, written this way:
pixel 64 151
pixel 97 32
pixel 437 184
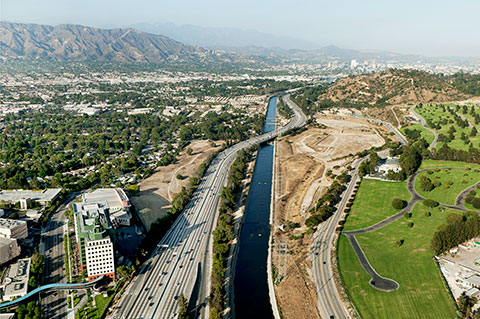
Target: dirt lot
pixel 301 165
pixel 157 191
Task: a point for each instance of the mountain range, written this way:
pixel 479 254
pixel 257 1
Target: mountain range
pixel 224 38
pixel 81 43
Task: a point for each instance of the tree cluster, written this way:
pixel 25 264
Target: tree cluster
pixel 459 228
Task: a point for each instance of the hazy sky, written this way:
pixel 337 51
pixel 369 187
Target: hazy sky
pixel 427 27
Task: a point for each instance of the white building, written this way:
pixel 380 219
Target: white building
pixel 11 228
pixel 117 202
pixel 473 281
pixel 15 280
pixel 9 249
pixel 43 197
pixel 100 257
pixel 94 236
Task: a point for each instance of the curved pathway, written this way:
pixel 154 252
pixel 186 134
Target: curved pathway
pixel 424 124
pixel 377 281
pixel 59 286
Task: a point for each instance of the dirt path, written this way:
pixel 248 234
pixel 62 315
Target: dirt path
pixel 302 163
pixel 158 190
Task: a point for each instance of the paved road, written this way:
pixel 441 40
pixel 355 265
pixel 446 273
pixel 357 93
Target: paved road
pixel 181 261
pixel 329 302
pixel 378 281
pixel 424 124
pixel 54 306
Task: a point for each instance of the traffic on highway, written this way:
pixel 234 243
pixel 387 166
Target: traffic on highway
pixel 183 256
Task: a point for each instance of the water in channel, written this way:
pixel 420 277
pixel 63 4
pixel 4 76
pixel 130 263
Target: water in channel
pixel 251 296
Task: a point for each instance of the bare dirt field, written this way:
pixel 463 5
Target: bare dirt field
pixel 157 191
pixel 301 165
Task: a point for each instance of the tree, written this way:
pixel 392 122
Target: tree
pixel 465 304
pixel 410 160
pixel 398 203
pixel 473 132
pixel 426 184
pixel 183 307
pixel 430 203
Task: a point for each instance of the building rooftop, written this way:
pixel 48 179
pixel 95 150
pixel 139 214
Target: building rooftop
pixel 41 195
pixel 15 279
pixel 474 280
pixel 115 197
pixel 7 223
pixel 92 219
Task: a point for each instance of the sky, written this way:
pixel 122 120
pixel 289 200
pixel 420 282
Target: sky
pixel 424 27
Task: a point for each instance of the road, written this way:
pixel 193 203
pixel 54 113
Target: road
pixel 329 301
pixel 424 124
pixel 54 306
pixel 182 259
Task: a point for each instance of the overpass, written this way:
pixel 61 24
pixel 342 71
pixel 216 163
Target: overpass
pixel 60 286
pixel 182 260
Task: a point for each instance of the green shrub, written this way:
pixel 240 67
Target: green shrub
pixel 430 203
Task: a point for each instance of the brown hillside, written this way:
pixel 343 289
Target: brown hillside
pixel 394 87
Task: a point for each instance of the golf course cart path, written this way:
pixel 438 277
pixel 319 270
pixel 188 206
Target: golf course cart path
pixel 424 124
pixel 377 281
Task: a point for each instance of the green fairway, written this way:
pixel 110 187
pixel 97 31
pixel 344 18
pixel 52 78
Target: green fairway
pixel 453 182
pixel 435 164
pixel 422 293
pixel 446 120
pixel 426 134
pixel 373 202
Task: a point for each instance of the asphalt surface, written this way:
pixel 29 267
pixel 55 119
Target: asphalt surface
pixel 330 304
pixel 378 281
pixel 182 259
pixel 424 124
pixel 54 305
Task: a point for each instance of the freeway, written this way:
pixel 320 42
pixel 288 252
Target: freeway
pixel 55 305
pixel 181 261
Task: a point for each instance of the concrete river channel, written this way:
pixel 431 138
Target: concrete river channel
pixel 251 297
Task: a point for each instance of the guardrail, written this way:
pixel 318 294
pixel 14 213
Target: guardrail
pixel 60 286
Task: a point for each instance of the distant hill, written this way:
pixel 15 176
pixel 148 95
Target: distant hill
pixel 81 43
pixel 224 38
pixel 395 87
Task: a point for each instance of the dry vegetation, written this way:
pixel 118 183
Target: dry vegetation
pixel 301 165
pixel 157 191
pixel 393 87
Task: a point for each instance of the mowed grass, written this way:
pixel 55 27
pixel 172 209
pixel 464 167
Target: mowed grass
pixel 422 293
pixel 436 114
pixel 373 202
pixel 453 182
pixel 426 134
pixel 439 164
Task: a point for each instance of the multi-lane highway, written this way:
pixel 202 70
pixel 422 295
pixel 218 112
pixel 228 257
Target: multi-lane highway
pixel 181 260
pixel 55 305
